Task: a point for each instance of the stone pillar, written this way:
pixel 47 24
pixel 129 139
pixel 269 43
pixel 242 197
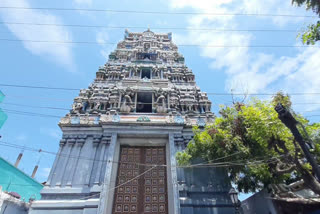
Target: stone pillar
pixel 84 164
pixel 92 158
pixel 54 167
pixel 105 141
pixel 179 146
pixel 70 161
pixel 64 160
pixel 106 192
pixel 78 147
pixel 173 172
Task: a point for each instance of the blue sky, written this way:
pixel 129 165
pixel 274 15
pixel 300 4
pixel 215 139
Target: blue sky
pixel 246 69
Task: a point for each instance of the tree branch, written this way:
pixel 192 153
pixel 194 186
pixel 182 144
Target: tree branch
pixel 280 170
pixel 309 180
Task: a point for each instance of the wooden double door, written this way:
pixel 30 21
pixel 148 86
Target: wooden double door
pixel 141 186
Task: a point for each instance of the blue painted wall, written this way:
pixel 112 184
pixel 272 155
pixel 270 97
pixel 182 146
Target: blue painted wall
pixel 14 180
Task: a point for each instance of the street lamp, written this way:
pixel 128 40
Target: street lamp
pixel 234 199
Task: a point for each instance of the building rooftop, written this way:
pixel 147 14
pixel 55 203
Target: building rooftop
pixel 13 179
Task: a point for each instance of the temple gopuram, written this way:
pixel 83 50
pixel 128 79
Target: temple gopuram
pixel 118 151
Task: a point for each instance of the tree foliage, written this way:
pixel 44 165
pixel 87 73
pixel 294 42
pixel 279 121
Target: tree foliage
pixel 312 34
pixel 313 5
pixel 255 146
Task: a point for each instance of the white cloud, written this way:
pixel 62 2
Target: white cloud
pixel 271 7
pixel 45 172
pixel 205 5
pixel 54 133
pixel 21 137
pixel 230 7
pixel 102 37
pixel 60 53
pixel 82 2
pixel 258 71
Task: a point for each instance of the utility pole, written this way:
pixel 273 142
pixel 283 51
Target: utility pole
pixel 286 117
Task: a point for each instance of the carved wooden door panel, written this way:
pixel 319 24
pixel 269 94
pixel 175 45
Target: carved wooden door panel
pixel 145 194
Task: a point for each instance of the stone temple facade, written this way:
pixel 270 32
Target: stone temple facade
pixel 117 153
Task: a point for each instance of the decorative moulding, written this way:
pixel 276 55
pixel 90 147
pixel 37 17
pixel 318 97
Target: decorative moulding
pixel 143 119
pixel 178 119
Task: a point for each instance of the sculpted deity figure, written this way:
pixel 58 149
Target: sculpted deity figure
pixel 161 101
pixel 76 108
pixel 126 104
pixel 188 120
pixel 174 98
pixel 134 72
pixel 114 97
pixel 96 107
pixel 155 73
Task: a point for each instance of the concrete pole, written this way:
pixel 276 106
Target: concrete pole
pixel 18 160
pixel 34 171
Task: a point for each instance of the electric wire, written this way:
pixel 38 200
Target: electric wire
pixel 2 143
pixel 154 166
pixel 205 162
pixel 39 87
pixel 91 196
pixel 208 93
pixel 157 12
pixel 157 28
pixel 70 156
pixel 32 106
pixel 180 45
pixel 103 183
pixel 38 98
pixel 120 184
pixel 32 114
pixel 27 113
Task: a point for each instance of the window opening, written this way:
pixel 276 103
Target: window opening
pixel 146 73
pixel 146 46
pixel 144 102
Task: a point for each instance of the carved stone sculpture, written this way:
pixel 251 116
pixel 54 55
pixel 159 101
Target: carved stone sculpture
pixel 127 103
pixel 77 108
pixel 160 104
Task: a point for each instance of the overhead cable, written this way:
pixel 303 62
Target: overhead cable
pixel 181 45
pixel 216 164
pixel 33 106
pixel 209 93
pixel 27 113
pixel 122 183
pixel 38 87
pixel 157 28
pixel 158 12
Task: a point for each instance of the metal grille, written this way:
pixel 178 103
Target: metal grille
pixel 147 193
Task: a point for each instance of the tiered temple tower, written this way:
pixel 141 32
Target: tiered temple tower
pixel 117 153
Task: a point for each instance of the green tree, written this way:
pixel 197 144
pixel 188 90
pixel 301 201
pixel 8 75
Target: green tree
pixel 312 34
pixel 256 147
